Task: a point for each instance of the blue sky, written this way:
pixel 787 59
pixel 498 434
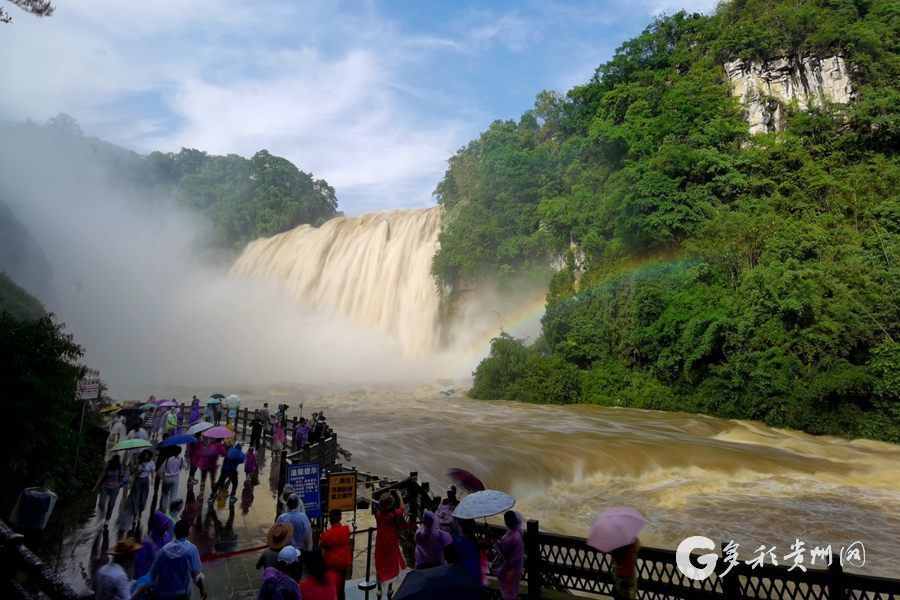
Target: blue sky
pixel 373 96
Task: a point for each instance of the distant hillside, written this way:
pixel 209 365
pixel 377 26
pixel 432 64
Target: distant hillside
pixel 705 268
pixel 17 302
pixel 244 198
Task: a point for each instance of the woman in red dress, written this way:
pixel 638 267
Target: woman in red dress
pixel 388 558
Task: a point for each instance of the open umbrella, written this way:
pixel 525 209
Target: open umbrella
pixel 148 406
pixel 218 432
pixel 486 503
pixel 466 480
pixel 131 445
pixel 167 404
pixel 177 440
pixel 232 401
pixel 615 527
pixel 199 427
pixel 110 409
pixel 218 396
pixel 212 400
pixel 449 582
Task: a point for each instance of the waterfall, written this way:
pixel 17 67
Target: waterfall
pixel 374 269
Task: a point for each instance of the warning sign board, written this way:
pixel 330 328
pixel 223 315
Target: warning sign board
pixel 341 491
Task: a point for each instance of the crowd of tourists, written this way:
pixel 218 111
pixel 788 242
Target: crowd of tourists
pixel 165 564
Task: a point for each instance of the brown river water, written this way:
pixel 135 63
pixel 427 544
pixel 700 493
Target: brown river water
pixel 689 474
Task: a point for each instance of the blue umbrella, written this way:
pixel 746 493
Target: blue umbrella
pixel 176 440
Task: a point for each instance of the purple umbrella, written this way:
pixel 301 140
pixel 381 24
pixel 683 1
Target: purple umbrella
pixel 614 528
pixel 466 480
pixel 218 432
pixel 167 404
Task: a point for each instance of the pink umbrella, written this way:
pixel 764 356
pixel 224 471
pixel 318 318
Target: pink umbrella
pixel 218 432
pixel 615 527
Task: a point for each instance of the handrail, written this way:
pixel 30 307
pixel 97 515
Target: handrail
pixel 17 558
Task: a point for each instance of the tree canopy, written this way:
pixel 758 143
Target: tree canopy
pixel 705 269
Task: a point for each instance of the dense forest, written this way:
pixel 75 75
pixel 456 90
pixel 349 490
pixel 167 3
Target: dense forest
pixel 705 269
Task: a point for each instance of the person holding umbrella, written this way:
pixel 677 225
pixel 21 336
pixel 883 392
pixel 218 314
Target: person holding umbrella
pixel 615 531
pixel 390 518
pixel 113 478
pixel 169 473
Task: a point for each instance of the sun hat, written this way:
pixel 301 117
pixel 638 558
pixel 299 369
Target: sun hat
pixel 280 535
pixel 125 547
pixel 288 555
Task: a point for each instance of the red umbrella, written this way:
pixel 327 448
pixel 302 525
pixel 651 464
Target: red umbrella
pixel 466 480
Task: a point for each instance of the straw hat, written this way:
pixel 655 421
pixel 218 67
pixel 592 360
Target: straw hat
pixel 280 535
pixel 125 547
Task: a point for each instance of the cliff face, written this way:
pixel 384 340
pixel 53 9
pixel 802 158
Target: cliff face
pixel 765 88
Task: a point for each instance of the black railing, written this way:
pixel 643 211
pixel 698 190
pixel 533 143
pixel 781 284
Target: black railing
pixel 24 575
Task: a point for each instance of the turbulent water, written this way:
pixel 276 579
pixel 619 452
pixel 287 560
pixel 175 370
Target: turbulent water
pixel 689 474
pixel 374 269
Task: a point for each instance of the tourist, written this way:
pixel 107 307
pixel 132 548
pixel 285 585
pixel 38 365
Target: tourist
pixel 320 430
pixel 195 410
pixel 316 585
pixel 112 479
pixel 175 508
pixel 510 557
pixel 251 466
pixel 177 565
pixel 233 458
pixel 301 434
pixel 467 548
pixel 210 410
pixel 256 430
pixel 390 518
pixel 445 510
pixel 280 581
pixel 170 472
pixel 113 581
pixel 624 571
pixel 193 453
pixel 117 430
pixel 278 436
pixel 279 536
pixel 208 460
pixel 336 551
pixel 314 430
pixel 170 423
pixel 430 542
pixel 141 491
pixel 156 425
pixel 296 517
pixel 159 533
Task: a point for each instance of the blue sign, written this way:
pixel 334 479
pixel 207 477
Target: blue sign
pixel 304 478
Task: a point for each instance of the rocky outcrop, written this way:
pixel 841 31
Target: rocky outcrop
pixel 766 88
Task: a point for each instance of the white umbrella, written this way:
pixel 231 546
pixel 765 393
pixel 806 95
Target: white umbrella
pixel 615 527
pixel 486 503
pixel 199 427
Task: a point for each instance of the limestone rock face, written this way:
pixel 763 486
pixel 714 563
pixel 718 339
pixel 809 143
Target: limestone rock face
pixel 765 88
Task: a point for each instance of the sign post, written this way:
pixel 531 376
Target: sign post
pixel 305 478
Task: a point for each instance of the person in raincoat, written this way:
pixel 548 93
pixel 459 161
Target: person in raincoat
pixel 510 560
pixel 251 467
pixel 195 411
pixel 159 533
pixel 336 551
pixel 170 423
pixel 430 542
pixel 389 519
pixel 280 582
pixel 444 513
pixel 233 458
pixel 208 460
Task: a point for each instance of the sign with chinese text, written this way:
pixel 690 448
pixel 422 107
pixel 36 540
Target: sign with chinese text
pixel 341 491
pixel 304 479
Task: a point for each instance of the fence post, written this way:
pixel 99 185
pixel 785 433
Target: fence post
pixel 412 492
pixel 533 559
pixel 835 578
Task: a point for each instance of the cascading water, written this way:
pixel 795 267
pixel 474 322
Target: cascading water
pixel 374 269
